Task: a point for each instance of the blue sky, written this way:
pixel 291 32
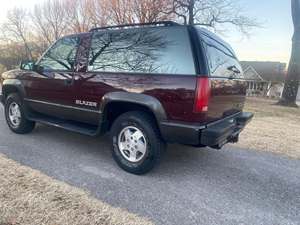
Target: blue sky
pixel 270 43
pixel 273 41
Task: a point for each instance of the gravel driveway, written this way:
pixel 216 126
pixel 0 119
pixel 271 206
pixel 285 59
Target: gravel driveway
pixel 191 186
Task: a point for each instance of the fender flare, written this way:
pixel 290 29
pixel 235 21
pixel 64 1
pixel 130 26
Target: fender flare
pixel 12 83
pixel 148 101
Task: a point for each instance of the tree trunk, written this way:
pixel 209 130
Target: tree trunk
pixel 191 12
pixel 27 48
pixel 291 85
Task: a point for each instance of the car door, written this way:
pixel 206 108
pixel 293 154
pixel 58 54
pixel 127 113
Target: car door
pixel 87 110
pixel 50 88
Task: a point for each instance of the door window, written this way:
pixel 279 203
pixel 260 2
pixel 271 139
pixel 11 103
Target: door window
pixel 148 50
pixel 61 56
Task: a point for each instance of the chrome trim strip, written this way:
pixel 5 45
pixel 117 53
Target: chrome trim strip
pixel 60 105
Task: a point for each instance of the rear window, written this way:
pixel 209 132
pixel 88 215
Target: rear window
pixel 162 50
pixel 221 61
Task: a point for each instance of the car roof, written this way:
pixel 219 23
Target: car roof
pixel 125 27
pixel 169 24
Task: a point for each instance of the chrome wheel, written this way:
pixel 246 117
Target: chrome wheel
pixel 14 114
pixel 132 144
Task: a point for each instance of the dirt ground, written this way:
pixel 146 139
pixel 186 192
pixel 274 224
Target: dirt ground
pixel 28 197
pixel 273 128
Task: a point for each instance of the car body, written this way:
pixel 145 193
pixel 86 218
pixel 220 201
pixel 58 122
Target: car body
pixel 185 79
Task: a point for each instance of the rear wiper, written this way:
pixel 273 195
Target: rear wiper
pixel 234 69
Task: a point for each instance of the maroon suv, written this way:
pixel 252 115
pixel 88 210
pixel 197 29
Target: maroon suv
pixel 148 84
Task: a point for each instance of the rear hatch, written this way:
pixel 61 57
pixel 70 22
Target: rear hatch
pixel 228 87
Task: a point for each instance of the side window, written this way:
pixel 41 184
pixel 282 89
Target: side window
pixel 61 56
pixel 157 50
pixel 221 61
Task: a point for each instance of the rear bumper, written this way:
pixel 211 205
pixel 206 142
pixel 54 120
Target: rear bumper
pixel 215 134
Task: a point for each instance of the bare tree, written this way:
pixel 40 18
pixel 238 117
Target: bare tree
pixel 139 52
pixel 139 11
pixel 2 68
pixel 15 29
pixel 98 12
pixel 121 11
pixel 11 54
pixel 212 13
pixel 151 10
pixel 51 19
pixel 79 13
pixel 291 86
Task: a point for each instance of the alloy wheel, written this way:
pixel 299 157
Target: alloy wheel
pixel 132 144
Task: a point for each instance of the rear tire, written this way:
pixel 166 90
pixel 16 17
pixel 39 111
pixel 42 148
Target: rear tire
pixel 136 143
pixel 15 115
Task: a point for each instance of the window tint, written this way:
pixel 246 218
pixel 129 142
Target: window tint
pixel 222 62
pixel 158 50
pixel 61 56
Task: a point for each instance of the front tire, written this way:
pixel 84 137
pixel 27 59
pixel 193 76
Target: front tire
pixel 136 144
pixel 15 115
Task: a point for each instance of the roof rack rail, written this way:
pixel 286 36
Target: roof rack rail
pixel 161 23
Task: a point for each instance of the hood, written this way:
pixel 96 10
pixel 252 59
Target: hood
pixel 12 74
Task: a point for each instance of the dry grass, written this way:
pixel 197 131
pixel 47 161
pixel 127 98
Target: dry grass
pixel 273 128
pixel 28 197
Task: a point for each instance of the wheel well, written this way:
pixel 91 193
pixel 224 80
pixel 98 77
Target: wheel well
pixel 7 90
pixel 114 109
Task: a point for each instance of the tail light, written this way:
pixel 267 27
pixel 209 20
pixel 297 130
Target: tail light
pixel 202 95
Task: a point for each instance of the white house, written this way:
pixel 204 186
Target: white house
pixel 264 78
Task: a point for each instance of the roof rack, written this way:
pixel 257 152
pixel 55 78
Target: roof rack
pixel 124 26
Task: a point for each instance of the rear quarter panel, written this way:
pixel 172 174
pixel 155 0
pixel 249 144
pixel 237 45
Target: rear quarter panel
pixel 228 87
pixel 175 92
pixel 227 97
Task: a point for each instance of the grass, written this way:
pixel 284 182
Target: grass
pixel 274 128
pixel 27 197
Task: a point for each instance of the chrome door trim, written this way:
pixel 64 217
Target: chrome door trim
pixel 63 106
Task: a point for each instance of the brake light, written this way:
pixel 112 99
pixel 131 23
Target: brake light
pixel 202 95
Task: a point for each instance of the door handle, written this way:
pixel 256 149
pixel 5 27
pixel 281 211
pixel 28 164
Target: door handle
pixel 70 81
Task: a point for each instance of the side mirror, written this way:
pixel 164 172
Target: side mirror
pixel 27 65
pixel 38 68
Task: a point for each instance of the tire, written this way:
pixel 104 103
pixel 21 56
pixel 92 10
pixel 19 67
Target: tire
pixel 22 125
pixel 138 124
